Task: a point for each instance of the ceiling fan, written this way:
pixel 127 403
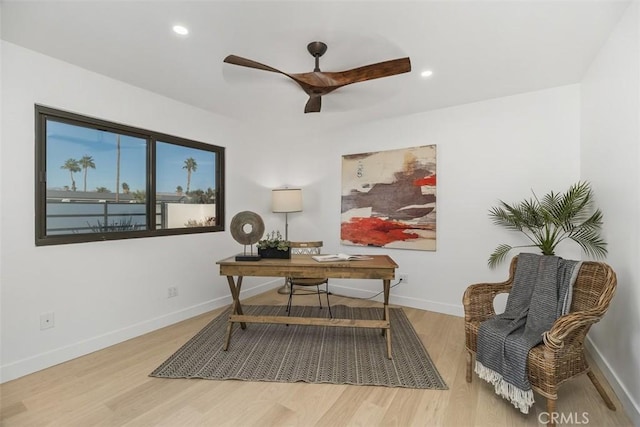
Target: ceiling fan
pixel 318 83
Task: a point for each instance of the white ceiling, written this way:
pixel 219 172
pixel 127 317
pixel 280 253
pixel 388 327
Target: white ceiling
pixel 476 49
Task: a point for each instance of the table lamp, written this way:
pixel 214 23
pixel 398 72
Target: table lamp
pixel 286 200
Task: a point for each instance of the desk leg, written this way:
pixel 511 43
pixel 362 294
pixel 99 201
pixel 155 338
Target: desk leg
pixel 227 338
pixel 236 307
pixel 387 332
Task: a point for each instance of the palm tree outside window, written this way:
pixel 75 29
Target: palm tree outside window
pixel 86 162
pixel 72 166
pixel 191 166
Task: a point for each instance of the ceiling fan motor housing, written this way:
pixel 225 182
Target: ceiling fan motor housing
pixel 317 49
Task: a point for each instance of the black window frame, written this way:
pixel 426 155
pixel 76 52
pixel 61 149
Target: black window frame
pixel 44 114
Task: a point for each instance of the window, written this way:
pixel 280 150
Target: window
pixel 97 180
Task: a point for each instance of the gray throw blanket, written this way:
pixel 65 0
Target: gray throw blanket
pixel 541 292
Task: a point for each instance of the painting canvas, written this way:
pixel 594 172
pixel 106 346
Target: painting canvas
pixel 389 199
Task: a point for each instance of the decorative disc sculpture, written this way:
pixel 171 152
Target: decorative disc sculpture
pixel 247 228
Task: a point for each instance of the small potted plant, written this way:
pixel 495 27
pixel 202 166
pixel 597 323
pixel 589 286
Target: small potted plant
pixel 551 219
pixel 273 245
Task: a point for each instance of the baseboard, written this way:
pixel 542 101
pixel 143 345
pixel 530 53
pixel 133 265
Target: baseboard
pixel 59 355
pixel 631 407
pixel 438 307
pixel 422 304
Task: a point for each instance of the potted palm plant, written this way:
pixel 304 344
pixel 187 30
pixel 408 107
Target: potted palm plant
pixel 549 220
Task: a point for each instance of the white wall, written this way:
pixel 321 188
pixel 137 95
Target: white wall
pixel 610 159
pixel 1 204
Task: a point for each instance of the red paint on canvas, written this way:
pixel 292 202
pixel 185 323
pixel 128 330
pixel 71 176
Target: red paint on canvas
pixel 375 231
pixel 427 180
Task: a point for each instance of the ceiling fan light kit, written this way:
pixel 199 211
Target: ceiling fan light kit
pixel 318 83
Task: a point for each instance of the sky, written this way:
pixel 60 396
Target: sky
pixel 66 141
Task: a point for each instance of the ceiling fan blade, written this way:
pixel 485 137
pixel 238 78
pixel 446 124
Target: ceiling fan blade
pixel 322 83
pixel 313 104
pixel 370 72
pixel 244 62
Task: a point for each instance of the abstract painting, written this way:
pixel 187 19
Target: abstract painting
pixel 389 199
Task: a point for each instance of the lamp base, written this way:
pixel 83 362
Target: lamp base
pixel 285 289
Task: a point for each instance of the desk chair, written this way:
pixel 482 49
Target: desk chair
pixel 307 248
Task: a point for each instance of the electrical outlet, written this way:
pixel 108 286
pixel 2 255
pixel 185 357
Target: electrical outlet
pixel 404 278
pixel 172 292
pixel 46 321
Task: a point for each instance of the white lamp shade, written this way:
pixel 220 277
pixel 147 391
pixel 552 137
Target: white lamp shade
pixel 286 200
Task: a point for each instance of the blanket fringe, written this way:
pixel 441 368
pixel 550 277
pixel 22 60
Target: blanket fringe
pixel 521 399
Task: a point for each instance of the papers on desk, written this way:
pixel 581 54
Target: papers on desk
pixel 340 257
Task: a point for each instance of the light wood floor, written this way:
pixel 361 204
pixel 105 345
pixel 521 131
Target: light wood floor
pixel 111 387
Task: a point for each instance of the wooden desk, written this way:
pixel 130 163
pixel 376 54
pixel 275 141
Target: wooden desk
pixel 379 267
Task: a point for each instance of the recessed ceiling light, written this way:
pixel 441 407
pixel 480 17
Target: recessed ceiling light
pixel 179 29
pixel 426 73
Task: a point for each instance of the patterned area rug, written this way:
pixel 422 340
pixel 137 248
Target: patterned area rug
pixel 312 354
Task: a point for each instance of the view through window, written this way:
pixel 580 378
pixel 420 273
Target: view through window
pixel 102 181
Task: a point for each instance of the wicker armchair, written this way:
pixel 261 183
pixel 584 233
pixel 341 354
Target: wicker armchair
pixel 561 355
